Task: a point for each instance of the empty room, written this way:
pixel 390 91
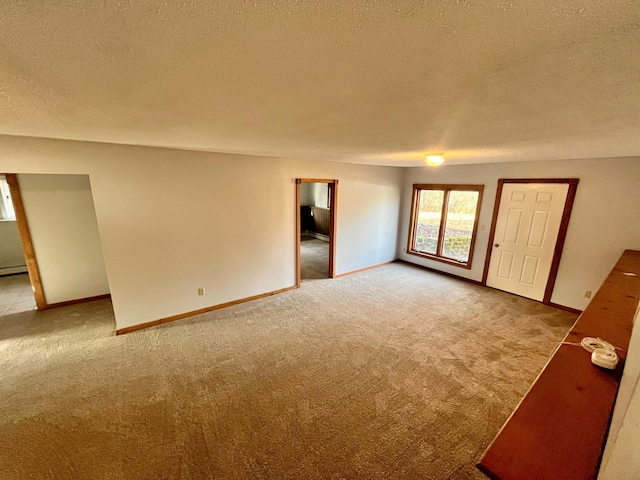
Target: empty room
pixel 319 240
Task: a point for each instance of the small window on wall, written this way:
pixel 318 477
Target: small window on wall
pixel 444 220
pixel 6 205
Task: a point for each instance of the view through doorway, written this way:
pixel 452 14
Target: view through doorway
pixel 16 292
pixel 315 213
pixel 54 216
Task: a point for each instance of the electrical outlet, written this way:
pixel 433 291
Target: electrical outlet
pixel 587 294
pixel 201 291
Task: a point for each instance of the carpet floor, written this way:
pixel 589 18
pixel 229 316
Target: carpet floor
pixel 391 373
pixel 314 259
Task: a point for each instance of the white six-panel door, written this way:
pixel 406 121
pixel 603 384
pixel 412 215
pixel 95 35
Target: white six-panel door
pixel 526 233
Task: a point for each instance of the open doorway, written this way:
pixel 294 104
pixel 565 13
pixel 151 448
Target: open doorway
pixel 16 290
pixel 316 205
pixel 55 221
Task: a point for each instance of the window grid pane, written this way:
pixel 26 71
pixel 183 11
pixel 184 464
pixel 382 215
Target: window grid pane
pixel 428 221
pixel 461 215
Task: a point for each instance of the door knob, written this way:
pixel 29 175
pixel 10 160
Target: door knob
pixel 497 245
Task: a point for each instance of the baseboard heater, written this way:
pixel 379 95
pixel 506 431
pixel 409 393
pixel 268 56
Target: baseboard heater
pixel 319 236
pixel 13 270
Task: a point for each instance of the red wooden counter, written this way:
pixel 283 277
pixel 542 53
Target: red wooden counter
pixel 559 429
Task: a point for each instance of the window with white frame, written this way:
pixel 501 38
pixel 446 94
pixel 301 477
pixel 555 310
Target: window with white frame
pixel 6 205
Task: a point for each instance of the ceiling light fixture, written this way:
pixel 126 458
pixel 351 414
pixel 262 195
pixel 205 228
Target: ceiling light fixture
pixel 434 160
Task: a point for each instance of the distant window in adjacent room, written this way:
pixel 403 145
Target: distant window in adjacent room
pixel 6 205
pixel 444 220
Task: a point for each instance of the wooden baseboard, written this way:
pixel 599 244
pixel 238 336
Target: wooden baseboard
pixel 73 302
pixel 447 274
pixel 180 316
pixel 566 309
pixel 364 269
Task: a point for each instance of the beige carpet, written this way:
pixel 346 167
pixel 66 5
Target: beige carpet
pixel 314 259
pixel 390 373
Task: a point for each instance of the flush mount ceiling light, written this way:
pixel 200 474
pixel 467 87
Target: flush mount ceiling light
pixel 434 160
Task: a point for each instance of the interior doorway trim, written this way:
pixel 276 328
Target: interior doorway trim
pixel 333 207
pixel 27 244
pixel 562 234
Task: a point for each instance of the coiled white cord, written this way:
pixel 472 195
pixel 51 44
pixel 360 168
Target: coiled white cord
pixel 590 344
pixel 603 354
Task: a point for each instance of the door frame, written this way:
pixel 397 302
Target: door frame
pixel 333 217
pixel 27 243
pixel 562 233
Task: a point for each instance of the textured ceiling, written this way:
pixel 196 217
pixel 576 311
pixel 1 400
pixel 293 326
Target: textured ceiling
pixel 379 82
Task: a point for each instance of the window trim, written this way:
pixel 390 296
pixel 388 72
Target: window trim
pixel 413 221
pixel 7 212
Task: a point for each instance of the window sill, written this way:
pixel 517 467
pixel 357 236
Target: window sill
pixel 448 261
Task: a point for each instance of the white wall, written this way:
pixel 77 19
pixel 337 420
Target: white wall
pixel 307 191
pixel 314 194
pixel 603 224
pixel 321 195
pixel 11 255
pixel 171 221
pixel 621 460
pixel 64 232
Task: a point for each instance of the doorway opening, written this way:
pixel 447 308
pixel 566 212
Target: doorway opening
pixel 54 216
pixel 316 206
pixel 17 293
pixel 528 231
